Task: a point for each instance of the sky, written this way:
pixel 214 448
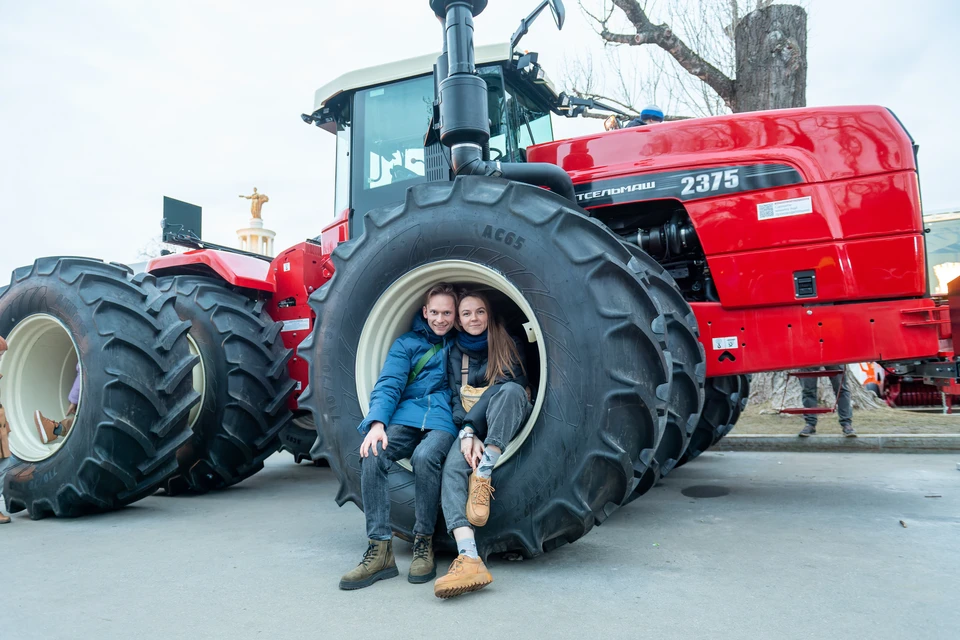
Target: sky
pixel 106 107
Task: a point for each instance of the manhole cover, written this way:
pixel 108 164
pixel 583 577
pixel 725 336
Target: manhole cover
pixel 705 491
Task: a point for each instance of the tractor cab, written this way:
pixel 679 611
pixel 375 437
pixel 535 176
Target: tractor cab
pixel 382 117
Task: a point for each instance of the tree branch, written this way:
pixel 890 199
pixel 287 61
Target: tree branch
pixel 662 36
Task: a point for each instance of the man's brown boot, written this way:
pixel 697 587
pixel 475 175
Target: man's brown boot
pixel 466 574
pixel 377 564
pixel 478 500
pixel 4 519
pixel 423 568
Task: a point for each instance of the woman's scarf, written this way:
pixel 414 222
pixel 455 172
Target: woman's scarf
pixel 476 344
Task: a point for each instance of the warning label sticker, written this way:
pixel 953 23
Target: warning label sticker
pixel 784 208
pixel 725 343
pixel 300 324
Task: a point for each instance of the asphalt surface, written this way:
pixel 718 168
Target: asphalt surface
pixel 796 546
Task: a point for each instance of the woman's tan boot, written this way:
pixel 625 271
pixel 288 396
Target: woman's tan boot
pixel 466 574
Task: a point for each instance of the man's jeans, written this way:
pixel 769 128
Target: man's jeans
pixel 427 451
pixel 506 413
pixel 844 408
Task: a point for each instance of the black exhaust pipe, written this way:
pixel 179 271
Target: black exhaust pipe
pixel 462 94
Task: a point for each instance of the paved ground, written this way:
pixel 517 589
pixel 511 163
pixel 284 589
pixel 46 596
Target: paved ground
pixel 803 546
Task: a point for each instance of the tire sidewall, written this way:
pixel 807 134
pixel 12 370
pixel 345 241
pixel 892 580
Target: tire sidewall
pixel 567 424
pixel 29 298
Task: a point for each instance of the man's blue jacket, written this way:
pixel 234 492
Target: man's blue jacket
pixel 425 402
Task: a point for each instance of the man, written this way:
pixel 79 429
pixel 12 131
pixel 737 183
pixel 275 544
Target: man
pixel 651 114
pixel 412 397
pixel 844 409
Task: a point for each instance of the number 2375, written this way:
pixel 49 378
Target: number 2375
pixel 706 182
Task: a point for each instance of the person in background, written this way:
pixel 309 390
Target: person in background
pixel 844 407
pixel 651 114
pixel 4 439
pixel 48 429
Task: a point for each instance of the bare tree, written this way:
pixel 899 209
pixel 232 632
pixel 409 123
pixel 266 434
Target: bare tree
pixel 709 57
pixel 772 391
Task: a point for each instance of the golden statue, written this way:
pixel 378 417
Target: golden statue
pixel 256 202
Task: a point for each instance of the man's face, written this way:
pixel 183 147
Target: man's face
pixel 439 312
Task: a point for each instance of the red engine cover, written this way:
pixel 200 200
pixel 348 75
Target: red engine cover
pixel 829 190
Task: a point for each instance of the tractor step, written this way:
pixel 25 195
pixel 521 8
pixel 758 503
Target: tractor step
pixel 802 410
pixel 826 373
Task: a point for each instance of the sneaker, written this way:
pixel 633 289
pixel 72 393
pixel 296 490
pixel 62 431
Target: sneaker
pixel 46 428
pixel 478 502
pixel 466 574
pixel 849 431
pixel 378 564
pixel 423 568
pixel 807 431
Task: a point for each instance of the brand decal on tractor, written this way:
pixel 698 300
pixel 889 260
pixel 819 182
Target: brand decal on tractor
pixel 615 191
pixel 687 185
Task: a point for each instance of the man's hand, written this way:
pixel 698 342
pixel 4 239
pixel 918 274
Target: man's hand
pixel 374 435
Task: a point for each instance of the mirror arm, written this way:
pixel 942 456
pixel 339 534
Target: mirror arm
pixel 525 24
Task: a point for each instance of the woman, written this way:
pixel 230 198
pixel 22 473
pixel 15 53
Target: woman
pixel 490 401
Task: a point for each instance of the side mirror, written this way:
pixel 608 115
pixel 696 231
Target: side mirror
pixel 559 13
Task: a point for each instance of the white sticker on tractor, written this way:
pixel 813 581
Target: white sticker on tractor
pixel 724 343
pixel 286 266
pixel 300 324
pixel 299 386
pixel 784 208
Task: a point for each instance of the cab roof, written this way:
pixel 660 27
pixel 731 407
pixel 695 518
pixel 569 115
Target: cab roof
pixel 392 71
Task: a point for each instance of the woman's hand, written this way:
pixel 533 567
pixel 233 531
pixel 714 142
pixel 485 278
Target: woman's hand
pixel 466 447
pixel 476 452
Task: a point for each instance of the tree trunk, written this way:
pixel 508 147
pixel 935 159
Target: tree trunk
pixel 771 45
pixel 767 392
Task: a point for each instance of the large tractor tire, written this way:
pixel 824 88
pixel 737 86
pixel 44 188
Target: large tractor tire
pixel 603 371
pixel 136 389
pixel 243 380
pixel 688 362
pixel 726 398
pixel 298 437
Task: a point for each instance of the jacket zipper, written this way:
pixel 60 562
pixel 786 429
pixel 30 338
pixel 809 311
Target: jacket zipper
pixel 423 426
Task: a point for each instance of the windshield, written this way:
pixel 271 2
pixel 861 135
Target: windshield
pixel 390 122
pixel 382 153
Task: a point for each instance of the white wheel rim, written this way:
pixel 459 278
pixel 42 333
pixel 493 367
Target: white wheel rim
pixel 392 313
pixel 199 382
pixel 38 371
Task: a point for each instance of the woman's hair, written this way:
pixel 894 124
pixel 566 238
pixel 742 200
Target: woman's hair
pixel 502 353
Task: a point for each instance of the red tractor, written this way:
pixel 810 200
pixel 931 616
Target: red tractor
pixel 651 269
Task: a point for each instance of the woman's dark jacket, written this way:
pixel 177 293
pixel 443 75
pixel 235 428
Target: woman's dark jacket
pixel 477 377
